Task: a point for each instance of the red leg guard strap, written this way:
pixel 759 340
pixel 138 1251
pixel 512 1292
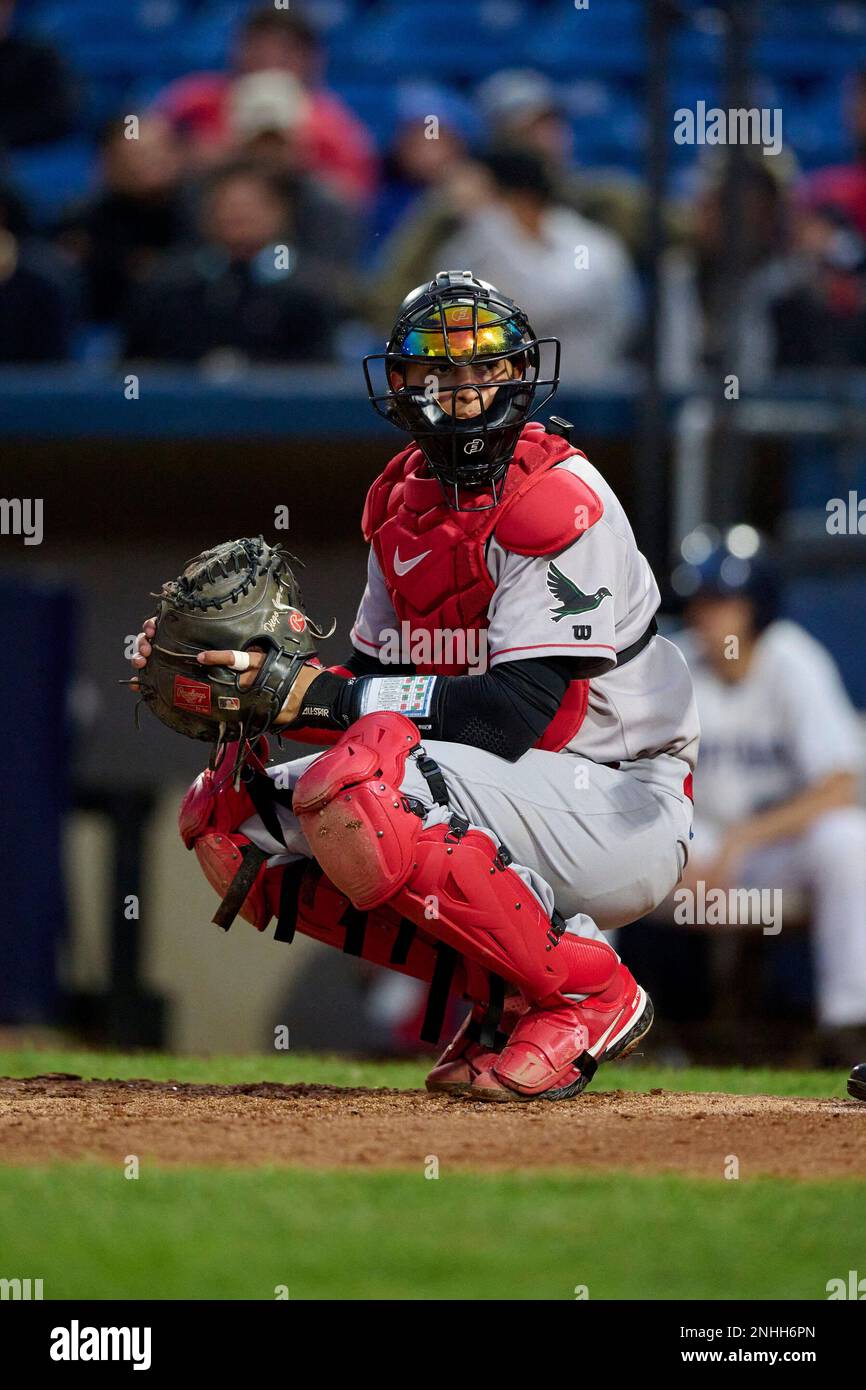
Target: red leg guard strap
pixel 379 937
pixel 221 857
pixel 321 911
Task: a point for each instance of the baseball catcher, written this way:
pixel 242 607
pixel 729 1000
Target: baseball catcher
pixel 511 741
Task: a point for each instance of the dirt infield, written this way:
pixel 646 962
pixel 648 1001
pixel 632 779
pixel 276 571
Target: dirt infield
pixel 46 1118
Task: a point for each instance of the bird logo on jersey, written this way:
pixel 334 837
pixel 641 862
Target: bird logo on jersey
pixel 572 599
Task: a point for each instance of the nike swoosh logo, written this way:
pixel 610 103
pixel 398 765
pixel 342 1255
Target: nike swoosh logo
pixel 404 566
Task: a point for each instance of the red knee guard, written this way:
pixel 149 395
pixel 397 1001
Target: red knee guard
pixel 350 809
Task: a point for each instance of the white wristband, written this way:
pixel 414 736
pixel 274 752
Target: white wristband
pixel 410 695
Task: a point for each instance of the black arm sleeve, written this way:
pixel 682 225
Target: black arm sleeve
pixel 503 711
pixel 360 664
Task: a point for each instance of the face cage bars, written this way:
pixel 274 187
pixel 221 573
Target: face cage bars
pixel 470 430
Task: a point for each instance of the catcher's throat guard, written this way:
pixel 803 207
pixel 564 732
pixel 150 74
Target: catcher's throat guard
pixel 239 595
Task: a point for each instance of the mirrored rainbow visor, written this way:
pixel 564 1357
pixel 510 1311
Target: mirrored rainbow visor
pixel 495 336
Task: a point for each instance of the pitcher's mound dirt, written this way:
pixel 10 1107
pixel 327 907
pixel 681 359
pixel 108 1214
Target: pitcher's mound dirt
pixel 46 1118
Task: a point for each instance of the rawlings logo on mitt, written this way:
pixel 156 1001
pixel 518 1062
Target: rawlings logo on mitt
pixel 239 595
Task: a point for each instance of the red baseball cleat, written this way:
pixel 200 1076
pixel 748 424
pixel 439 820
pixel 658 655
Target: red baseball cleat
pixel 466 1057
pixel 618 1018
pixel 547 1057
pixel 553 1054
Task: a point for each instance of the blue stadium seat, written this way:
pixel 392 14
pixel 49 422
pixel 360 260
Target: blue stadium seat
pixel 330 16
pixel 603 40
pixel 782 20
pixel 201 45
pixel 451 39
pixel 89 20
pixel 106 40
pixel 376 105
pixel 698 51
pixel 608 123
pixel 814 127
pixel 51 176
pixel 819 56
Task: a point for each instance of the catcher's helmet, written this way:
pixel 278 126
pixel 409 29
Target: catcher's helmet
pixel 739 564
pixel 459 321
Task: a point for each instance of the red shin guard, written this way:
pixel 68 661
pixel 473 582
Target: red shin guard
pixel 469 897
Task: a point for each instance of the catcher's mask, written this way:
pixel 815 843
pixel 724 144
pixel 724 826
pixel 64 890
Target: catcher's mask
pixel 461 370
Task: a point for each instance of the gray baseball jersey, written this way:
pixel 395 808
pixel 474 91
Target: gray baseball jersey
pixel 592 599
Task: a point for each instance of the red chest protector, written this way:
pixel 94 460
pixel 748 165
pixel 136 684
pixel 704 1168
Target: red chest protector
pixel 449 587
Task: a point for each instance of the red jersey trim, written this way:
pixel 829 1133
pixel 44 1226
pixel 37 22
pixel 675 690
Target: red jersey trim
pixel 362 641
pixel 555 647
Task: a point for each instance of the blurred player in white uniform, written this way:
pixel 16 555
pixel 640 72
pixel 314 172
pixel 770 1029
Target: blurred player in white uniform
pixel 777 795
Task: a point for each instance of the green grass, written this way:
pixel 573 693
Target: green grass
pixel 317 1068
pixel 199 1233
pixel 88 1232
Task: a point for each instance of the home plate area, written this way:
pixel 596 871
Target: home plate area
pixel 59 1116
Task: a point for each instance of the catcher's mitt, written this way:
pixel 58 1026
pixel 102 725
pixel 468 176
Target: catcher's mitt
pixel 240 594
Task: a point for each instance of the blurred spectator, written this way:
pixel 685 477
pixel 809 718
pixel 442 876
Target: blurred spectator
pixel 573 277
pixel 268 110
pixel 433 133
pixel 522 107
pixel 695 289
pixel 333 143
pixel 138 214
pixel 843 186
pixel 36 95
pixel 819 310
pixel 777 785
pixel 37 294
pixel 242 293
pixel 522 110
